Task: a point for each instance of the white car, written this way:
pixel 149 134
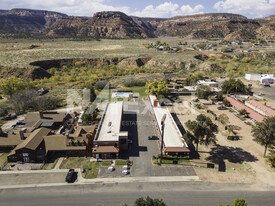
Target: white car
pixel 125 167
pixel 111 169
pixel 125 172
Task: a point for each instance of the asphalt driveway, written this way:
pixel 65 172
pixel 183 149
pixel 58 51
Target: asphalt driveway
pixel 137 120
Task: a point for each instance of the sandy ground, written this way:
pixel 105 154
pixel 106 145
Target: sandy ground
pixel 243 159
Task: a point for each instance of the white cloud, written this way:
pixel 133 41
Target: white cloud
pixel 187 9
pixel 257 8
pixel 88 7
pixel 70 7
pixel 168 9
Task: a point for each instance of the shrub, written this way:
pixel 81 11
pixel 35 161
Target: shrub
pixel 211 112
pixel 243 112
pixel 233 138
pixel 223 118
pixel 79 64
pixel 226 103
pixel 3 111
pixel 271 159
pixel 133 82
pixel 101 84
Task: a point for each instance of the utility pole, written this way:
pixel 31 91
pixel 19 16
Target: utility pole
pixel 162 135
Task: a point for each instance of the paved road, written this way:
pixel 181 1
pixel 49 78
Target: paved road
pixel 182 194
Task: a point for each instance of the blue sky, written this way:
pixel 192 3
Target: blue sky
pixel 145 8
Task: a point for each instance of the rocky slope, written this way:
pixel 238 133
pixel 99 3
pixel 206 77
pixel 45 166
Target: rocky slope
pixel 119 25
pixel 228 26
pixel 102 25
pixel 18 21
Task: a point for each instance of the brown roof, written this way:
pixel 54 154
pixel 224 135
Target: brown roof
pixel 34 140
pixel 251 113
pixel 269 112
pixel 176 149
pixel 82 130
pixel 33 118
pixel 13 138
pixel 105 149
pixel 59 143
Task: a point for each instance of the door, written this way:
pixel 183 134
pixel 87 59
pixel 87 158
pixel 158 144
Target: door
pixel 26 157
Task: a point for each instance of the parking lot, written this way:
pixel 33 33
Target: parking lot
pixel 139 123
pixel 269 92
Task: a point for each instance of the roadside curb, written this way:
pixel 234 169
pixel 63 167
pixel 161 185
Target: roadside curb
pixel 83 181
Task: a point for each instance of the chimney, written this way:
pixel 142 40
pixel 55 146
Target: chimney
pixel 21 133
pixel 41 115
pixel 156 103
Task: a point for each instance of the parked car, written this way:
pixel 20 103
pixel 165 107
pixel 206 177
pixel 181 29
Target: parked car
pixel 130 141
pixel 111 168
pixel 152 138
pixel 70 176
pixel 125 172
pixel 125 167
pixel 222 108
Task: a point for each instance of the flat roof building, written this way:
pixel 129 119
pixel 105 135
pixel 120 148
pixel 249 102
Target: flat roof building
pixel 174 144
pixel 109 137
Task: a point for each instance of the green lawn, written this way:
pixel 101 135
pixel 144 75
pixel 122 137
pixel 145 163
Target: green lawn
pixel 75 162
pixel 3 159
pixel 140 90
pixel 121 162
pixel 50 165
pixel 91 168
pixel 180 160
pixel 106 163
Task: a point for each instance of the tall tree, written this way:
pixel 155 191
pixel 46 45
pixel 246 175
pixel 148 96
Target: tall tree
pixel 202 130
pixel 157 88
pixel 264 133
pixel 204 92
pixel 234 86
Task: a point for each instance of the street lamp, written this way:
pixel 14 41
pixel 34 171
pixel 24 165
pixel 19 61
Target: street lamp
pixel 162 135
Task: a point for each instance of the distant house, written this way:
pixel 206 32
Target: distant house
pixel 267 79
pixel 229 50
pixel 262 78
pixel 239 106
pixel 253 77
pixel 260 108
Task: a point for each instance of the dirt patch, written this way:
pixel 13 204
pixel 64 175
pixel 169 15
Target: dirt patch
pixel 242 160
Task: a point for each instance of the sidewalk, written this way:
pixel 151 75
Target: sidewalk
pixel 59 162
pixel 141 179
pixel 122 180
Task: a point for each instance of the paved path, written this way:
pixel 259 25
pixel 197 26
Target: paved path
pixel 59 162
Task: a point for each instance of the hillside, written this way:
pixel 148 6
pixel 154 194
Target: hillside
pixel 120 26
pixel 227 26
pixel 102 25
pixel 17 21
